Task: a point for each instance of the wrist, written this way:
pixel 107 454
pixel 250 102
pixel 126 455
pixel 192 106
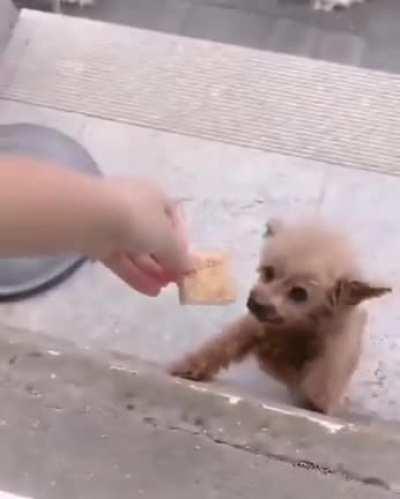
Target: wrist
pixel 111 220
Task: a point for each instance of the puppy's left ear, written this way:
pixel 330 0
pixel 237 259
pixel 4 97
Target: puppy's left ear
pixel 352 293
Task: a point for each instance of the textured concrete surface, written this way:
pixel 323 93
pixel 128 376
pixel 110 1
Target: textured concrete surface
pixel 81 416
pixel 274 102
pixel 231 192
pixel 101 425
pixel 365 35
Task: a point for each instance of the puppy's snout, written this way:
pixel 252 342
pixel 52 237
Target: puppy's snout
pixel 260 310
pixel 253 305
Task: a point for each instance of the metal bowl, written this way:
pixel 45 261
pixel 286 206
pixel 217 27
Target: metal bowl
pixel 23 277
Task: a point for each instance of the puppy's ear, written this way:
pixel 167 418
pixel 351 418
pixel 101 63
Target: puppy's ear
pixel 352 293
pixel 273 227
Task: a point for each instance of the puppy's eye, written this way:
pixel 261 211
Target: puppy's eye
pixel 298 294
pixel 268 274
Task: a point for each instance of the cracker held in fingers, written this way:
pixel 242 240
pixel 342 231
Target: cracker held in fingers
pixel 212 282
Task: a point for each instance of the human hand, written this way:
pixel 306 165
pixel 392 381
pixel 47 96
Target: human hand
pixel 151 247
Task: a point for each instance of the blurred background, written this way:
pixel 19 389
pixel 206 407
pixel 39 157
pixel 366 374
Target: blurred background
pixel 365 35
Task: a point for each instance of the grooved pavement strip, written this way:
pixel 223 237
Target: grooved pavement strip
pixel 269 101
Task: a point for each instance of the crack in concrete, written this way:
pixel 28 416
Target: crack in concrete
pixel 307 465
pixel 195 425
pixel 297 463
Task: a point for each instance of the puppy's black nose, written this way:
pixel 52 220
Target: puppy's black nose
pixel 261 311
pixel 253 306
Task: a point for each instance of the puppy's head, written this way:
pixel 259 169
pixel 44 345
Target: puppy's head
pixel 306 272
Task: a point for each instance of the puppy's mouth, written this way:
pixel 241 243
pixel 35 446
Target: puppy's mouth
pixel 264 313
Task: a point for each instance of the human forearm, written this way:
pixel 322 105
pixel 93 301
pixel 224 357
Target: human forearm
pixel 45 209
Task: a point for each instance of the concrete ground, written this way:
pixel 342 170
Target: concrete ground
pixel 95 310
pixel 87 410
pixel 99 426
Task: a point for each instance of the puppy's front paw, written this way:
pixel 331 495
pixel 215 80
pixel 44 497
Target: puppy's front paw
pixel 329 5
pixel 320 401
pixel 191 368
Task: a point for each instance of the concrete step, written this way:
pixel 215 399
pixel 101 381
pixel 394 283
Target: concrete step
pixel 99 425
pixel 265 100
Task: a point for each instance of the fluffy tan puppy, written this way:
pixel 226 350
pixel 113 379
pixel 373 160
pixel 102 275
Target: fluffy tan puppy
pixel 304 322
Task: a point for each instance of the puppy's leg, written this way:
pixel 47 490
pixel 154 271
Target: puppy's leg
pixel 235 343
pixel 279 370
pixel 327 377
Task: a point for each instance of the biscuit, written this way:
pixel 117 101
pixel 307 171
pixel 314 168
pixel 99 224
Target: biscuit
pixel 212 282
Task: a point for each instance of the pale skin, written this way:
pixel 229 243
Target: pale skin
pixel 130 225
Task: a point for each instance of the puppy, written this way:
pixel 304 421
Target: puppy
pixel 329 5
pixel 304 324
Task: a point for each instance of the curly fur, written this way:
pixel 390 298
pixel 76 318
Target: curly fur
pixel 304 324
